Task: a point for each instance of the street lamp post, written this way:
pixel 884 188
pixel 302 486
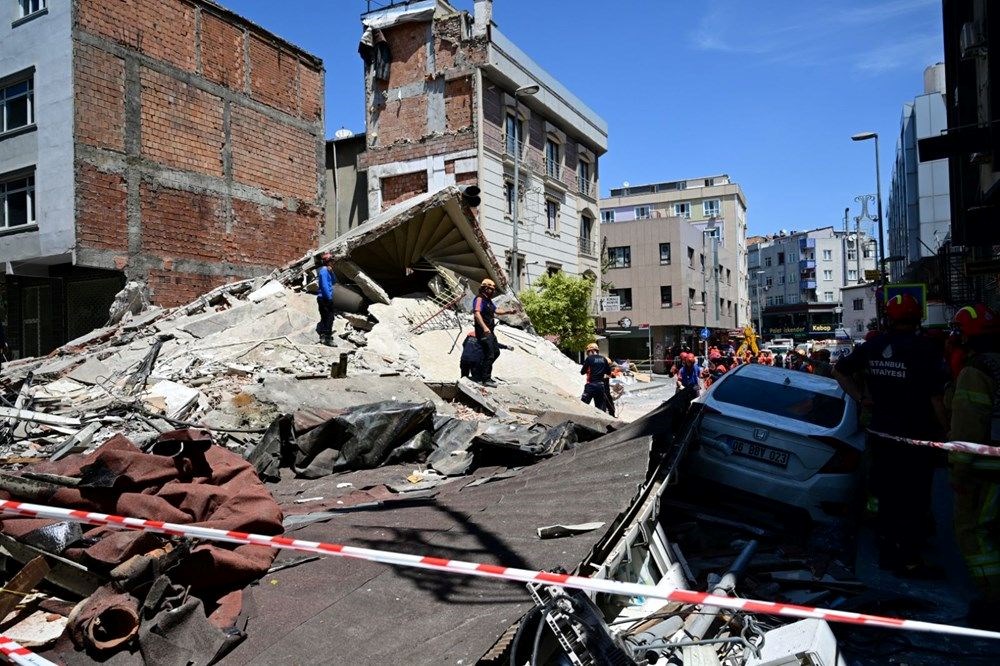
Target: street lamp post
pixel 515 275
pixel 864 136
pixel 760 311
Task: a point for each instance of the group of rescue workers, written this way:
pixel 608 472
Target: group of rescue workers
pixel 919 385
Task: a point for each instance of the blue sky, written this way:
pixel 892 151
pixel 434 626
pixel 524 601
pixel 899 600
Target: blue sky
pixel 768 92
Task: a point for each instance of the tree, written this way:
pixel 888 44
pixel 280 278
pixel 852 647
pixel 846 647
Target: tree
pixel 560 305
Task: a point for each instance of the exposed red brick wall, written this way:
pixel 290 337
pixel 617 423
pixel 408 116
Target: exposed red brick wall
pixel 311 92
pixel 222 52
pixel 182 225
pixel 100 209
pixel 169 288
pixel 439 145
pixel 458 104
pixel 276 157
pixel 181 125
pixel 396 189
pixel 273 75
pixel 402 119
pixel 162 29
pixel 408 45
pixel 271 236
pixel 467 178
pixel 99 98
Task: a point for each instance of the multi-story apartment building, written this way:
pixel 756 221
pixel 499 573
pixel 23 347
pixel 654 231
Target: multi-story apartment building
pixel 167 141
pixel 676 263
pixel 796 279
pixel 441 110
pixel 919 210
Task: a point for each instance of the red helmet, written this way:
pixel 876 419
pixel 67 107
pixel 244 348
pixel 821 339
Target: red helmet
pixel 973 320
pixel 904 307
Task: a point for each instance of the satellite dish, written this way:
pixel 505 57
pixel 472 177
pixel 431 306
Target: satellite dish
pixel 626 184
pixel 343 133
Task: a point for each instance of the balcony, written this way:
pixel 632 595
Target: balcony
pixel 586 188
pixel 587 246
pixel 807 264
pixel 808 284
pixel 807 244
pixel 553 169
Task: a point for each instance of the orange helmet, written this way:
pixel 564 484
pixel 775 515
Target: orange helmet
pixel 904 307
pixel 973 320
pixel 593 347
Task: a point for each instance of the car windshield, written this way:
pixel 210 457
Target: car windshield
pixel 782 400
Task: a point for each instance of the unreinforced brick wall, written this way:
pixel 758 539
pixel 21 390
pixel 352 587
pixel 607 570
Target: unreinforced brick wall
pixel 199 147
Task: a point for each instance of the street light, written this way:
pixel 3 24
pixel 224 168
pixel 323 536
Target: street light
pixel 865 136
pixel 515 275
pixel 760 312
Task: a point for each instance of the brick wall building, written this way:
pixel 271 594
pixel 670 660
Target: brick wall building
pixel 441 110
pixel 167 141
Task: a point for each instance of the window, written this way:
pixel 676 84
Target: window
pixel 781 279
pixel 642 212
pixel 858 303
pixel 793 298
pixel 552 269
pixel 608 216
pixel 664 254
pixel 729 276
pixel 552 215
pixel 769 281
pixel 779 300
pixel 827 275
pixel 867 252
pixel 709 182
pixel 828 297
pixel 703 301
pixel 18 198
pixel 786 401
pixel 827 255
pixel 682 185
pixel 691 257
pixel 583 177
pixel 508 195
pixel 769 301
pixel 29 7
pixel 620 257
pixel 18 101
pixel 515 133
pixel 852 255
pixel 712 208
pixel 781 258
pixel 852 275
pixel 859 327
pixel 691 296
pixel 624 297
pixel 767 262
pixel 682 210
pixel 702 258
pixel 552 159
pixel 667 297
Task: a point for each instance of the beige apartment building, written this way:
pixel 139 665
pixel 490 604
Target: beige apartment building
pixel 676 263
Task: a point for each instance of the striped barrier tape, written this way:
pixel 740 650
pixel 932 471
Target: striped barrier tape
pixel 484 570
pixel 957 447
pixel 17 654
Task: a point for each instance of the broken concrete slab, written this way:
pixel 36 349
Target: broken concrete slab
pixel 57 367
pixel 233 318
pixel 143 319
pixel 289 395
pixel 369 287
pixel 171 399
pixel 268 290
pixel 93 371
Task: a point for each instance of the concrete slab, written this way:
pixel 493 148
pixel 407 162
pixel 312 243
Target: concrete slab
pixel 57 367
pixel 143 319
pixel 171 398
pixel 241 315
pixel 289 394
pixel 93 371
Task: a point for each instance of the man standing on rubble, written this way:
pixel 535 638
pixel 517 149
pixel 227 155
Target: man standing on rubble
pixel 484 313
pixel 324 298
pixel 904 384
pixel 597 368
pixel 975 480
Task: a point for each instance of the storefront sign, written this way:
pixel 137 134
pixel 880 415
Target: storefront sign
pixel 822 328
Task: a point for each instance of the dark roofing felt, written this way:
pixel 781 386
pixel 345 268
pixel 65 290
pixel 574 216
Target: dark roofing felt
pixel 343 611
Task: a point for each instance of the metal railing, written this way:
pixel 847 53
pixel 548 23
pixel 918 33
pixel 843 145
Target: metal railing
pixel 588 246
pixel 587 188
pixel 553 168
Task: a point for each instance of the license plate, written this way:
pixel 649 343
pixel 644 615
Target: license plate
pixel 762 452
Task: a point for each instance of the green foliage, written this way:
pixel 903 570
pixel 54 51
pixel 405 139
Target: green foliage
pixel 560 305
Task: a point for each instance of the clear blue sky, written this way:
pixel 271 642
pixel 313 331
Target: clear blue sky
pixel 768 92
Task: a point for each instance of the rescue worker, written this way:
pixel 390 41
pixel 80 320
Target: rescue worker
pixel 975 480
pixel 484 314
pixel 470 365
pixel 687 376
pixel 820 363
pixel 903 389
pixel 597 368
pixel 324 299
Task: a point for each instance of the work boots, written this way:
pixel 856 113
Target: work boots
pixel 327 340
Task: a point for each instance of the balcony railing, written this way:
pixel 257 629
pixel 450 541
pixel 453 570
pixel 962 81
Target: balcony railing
pixel 808 284
pixel 587 188
pixel 807 243
pixel 807 264
pixel 553 169
pixel 588 246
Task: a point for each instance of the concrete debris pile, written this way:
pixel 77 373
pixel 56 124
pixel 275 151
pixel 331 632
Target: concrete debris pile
pixel 181 415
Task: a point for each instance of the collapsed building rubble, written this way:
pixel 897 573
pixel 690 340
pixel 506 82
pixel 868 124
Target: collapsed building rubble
pixel 108 422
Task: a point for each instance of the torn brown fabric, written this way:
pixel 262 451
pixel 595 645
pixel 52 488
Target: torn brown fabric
pixel 216 489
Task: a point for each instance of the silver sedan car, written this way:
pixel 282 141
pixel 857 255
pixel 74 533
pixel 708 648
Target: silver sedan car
pixel 787 436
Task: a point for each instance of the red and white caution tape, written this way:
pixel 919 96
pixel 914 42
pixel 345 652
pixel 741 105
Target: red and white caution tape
pixel 484 570
pixel 957 447
pixel 17 654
